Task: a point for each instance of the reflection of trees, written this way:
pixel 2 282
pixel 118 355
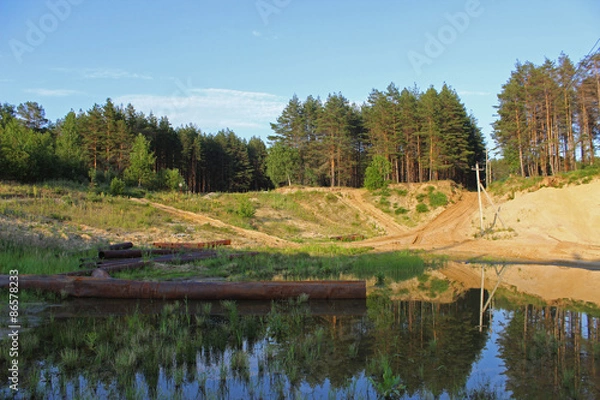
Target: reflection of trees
pixel 550 352
pixel 431 346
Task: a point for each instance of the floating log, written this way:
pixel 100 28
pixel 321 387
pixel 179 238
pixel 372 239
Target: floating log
pixel 200 245
pixel 192 290
pixel 121 246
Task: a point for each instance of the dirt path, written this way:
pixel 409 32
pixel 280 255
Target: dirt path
pixel 259 237
pixel 451 227
pixel 354 198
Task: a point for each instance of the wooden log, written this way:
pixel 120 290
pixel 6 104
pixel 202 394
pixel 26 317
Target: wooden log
pixel 126 289
pixel 200 245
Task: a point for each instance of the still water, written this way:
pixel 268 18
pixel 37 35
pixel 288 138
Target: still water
pixel 378 348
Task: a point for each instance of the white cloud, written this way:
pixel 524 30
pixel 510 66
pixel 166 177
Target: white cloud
pixel 212 109
pixel 256 33
pixel 103 73
pixel 53 92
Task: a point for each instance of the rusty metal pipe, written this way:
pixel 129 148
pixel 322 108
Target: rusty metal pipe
pixel 134 263
pixel 125 289
pixel 121 246
pixel 106 254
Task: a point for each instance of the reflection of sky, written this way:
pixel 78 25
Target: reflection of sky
pixel 490 367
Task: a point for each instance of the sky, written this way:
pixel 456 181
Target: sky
pixel 236 63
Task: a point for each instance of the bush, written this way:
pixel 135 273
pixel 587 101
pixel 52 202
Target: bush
pixel 174 180
pixel 422 208
pixel 246 209
pixel 401 210
pixel 437 199
pixel 117 187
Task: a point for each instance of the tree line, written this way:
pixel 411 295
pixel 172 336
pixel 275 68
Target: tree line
pixel 420 136
pixel 417 136
pixel 549 116
pixel 109 141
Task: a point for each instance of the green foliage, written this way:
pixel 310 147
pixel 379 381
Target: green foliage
pixel 282 164
pixel 117 186
pixel 246 209
pixel 401 211
pixel 388 385
pixel 377 172
pixel 422 208
pixel 173 179
pixel 437 199
pixel 141 162
pixel 25 155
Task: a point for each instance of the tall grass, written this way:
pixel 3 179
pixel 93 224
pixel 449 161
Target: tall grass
pixel 31 260
pixel 398 266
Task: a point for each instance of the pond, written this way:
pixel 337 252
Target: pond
pixel 305 349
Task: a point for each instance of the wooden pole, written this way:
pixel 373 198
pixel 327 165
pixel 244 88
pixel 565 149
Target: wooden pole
pixel 479 198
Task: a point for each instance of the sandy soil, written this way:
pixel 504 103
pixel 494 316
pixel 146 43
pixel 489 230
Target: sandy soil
pixel 542 228
pixel 547 225
pixel 256 238
pixel 550 226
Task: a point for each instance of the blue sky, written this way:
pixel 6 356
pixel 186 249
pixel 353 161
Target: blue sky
pixel 225 63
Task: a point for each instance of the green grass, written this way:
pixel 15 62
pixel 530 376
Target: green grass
pixel 519 184
pixel 85 208
pixel 310 262
pixel 271 212
pixel 34 260
pixel 437 199
pixel 397 266
pixel 422 208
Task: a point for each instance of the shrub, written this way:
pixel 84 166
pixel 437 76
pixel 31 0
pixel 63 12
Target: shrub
pixel 401 210
pixel 246 209
pixel 174 180
pixel 422 208
pixel 437 199
pixel 117 187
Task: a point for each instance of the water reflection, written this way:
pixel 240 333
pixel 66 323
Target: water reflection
pixel 298 349
pixel 551 352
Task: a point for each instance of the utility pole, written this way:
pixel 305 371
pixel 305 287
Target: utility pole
pixel 479 197
pixel 488 170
